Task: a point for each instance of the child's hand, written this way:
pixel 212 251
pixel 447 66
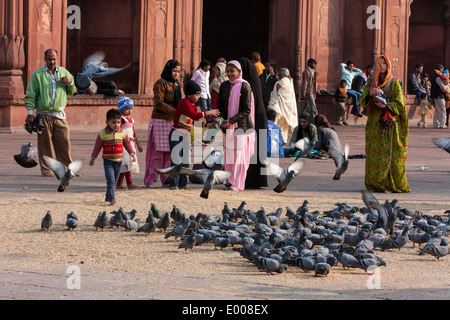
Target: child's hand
pixel 139 147
pixel 91 163
pixel 133 156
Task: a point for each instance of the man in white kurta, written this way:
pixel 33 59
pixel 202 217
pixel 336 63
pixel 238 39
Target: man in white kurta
pixel 284 102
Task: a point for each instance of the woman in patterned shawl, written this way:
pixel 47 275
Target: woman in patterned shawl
pixel 386 132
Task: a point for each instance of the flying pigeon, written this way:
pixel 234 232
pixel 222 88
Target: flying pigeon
pixel 284 177
pixel 340 160
pixel 443 143
pixel 214 177
pixel 304 145
pixel 62 174
pixel 176 171
pixel 95 67
pixel 27 156
pixel 46 222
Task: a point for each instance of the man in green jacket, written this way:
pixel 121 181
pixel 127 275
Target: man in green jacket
pixel 47 93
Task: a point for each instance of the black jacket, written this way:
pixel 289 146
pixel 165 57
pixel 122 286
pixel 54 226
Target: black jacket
pixel 436 92
pixel 267 85
pixel 242 119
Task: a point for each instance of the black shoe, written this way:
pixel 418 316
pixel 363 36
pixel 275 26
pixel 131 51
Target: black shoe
pixel 345 123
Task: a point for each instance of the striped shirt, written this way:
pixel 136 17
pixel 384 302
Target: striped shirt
pixel 112 143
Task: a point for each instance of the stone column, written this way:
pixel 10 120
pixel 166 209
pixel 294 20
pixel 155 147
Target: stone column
pixel 12 53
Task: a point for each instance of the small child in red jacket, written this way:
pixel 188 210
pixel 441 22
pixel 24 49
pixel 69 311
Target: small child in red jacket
pixel 183 120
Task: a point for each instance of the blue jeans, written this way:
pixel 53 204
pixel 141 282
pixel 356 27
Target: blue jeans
pixel 205 105
pixel 182 139
pixel 112 173
pixel 355 96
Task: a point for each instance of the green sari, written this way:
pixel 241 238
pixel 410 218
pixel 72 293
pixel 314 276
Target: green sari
pixel 386 153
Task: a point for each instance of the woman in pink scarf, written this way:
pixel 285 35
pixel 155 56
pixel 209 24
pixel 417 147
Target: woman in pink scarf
pixel 236 105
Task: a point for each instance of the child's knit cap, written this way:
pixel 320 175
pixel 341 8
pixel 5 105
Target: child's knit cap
pixel 124 104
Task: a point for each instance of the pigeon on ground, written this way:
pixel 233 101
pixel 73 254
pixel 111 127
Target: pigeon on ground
pixel 46 222
pixel 221 242
pixel 436 251
pixel 443 143
pixel 102 221
pixel 163 223
pixel 179 230
pixel 306 264
pixel 322 269
pixel 399 242
pixel 72 221
pixel 94 67
pixel 158 214
pixel 270 265
pixel 340 160
pixel 188 242
pixel 419 238
pixel 176 171
pixel 130 225
pixel 62 174
pixel 283 177
pixel 27 156
pixel 369 265
pixel 213 178
pixel 148 227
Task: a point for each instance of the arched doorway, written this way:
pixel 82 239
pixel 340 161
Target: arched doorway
pixel 235 28
pixel 110 26
pixel 427 34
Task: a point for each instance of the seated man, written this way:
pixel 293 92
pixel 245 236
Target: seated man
pixel 348 73
pixel 415 82
pixel 275 140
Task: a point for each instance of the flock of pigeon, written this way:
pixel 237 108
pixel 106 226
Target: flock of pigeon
pixel 313 241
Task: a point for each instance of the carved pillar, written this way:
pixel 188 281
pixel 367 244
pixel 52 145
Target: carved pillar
pixel 299 54
pixel 12 53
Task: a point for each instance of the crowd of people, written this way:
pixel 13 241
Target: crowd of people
pixel 256 102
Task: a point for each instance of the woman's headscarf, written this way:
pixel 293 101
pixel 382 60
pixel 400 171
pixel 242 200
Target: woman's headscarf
pixel 376 76
pixel 221 78
pixel 235 95
pixel 167 75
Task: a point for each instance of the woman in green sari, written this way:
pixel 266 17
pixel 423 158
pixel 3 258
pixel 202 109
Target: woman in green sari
pixel 386 132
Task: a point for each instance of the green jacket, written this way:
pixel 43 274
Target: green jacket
pixel 38 95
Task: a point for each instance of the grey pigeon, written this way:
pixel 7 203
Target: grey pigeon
pixel 163 223
pixel 340 160
pixel 221 242
pixel 175 171
pixel 213 178
pixel 284 177
pixel 179 230
pixel 158 214
pixel 130 225
pixel 436 251
pixel 419 238
pixel 46 222
pixel 102 221
pixel 348 261
pixel 399 242
pixel 306 264
pixel 188 242
pixel 147 228
pixel 94 67
pixel 370 264
pixel 304 146
pixel 322 269
pixel 27 156
pixel 62 174
pixel 269 265
pixel 72 221
pixel 442 143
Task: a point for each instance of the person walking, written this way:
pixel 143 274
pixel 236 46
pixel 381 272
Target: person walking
pixel 309 89
pixel 47 93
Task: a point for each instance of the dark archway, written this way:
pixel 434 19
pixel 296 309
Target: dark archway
pixel 235 28
pixel 426 35
pixel 113 27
